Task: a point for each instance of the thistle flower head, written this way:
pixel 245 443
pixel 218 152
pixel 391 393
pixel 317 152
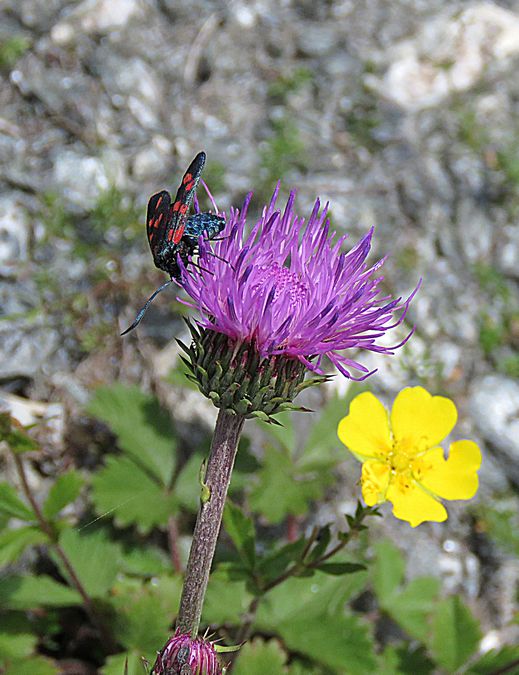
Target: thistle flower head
pixel 185 655
pixel 287 291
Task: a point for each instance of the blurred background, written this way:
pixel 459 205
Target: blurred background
pixel 403 114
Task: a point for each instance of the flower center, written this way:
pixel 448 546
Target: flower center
pixel 288 284
pixel 399 460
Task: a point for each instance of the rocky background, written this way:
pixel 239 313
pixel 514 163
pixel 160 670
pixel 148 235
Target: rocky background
pixel 403 114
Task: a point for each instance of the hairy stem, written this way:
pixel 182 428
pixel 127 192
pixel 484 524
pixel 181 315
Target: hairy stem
pixel 47 528
pixel 217 479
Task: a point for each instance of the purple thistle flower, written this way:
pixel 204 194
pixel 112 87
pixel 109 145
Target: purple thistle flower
pixel 287 289
pixel 186 655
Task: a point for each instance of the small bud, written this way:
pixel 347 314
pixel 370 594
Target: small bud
pixel 184 655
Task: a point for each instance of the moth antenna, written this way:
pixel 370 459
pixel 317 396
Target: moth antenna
pixel 208 252
pixel 204 269
pixel 143 311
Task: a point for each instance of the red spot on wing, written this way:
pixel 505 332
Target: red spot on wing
pixel 190 186
pixel 176 206
pixel 159 202
pixel 187 178
pixel 177 234
pixel 158 219
pixel 183 209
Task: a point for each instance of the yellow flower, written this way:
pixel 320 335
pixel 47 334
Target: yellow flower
pixel 402 461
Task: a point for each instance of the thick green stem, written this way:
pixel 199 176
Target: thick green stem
pixel 217 478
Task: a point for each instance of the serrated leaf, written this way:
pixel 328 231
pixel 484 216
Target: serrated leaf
pixel 122 489
pixel 37 665
pixel 312 620
pixel 143 428
pixel 94 558
pixel 225 601
pixel 496 660
pixel 340 568
pixel 405 659
pixel 145 562
pixel 14 542
pixel 456 633
pixel 284 488
pixel 11 505
pixel 144 613
pixel 241 530
pixel 332 642
pixel 259 657
pixel 17 592
pixel 412 606
pixel 64 491
pixel 387 570
pixel 322 439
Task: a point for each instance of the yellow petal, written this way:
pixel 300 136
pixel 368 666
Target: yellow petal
pixel 365 430
pixel 413 504
pixel 420 421
pixel 456 477
pixel 375 481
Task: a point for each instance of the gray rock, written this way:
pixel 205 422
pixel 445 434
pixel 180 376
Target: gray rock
pixel 14 232
pixel 82 179
pixel 494 406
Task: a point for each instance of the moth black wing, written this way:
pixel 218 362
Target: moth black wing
pixel 184 198
pixel 158 221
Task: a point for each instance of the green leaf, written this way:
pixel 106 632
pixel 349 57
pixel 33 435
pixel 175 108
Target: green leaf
pixel 144 429
pixel 12 505
pixel 387 571
pixel 496 660
pixel 241 530
pixel 14 646
pixel 126 491
pixel 283 487
pixel 283 435
pixel 259 657
pixel 145 562
pixel 405 660
pixel 340 568
pixel 225 601
pixel 18 592
pixel 187 484
pixel 275 563
pixel 411 607
pixel 14 542
pixel 322 440
pixel 115 664
pixel 94 558
pixel 64 491
pixel 144 613
pixel 38 665
pixel 320 545
pixel 311 619
pixel 13 433
pixel 456 633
